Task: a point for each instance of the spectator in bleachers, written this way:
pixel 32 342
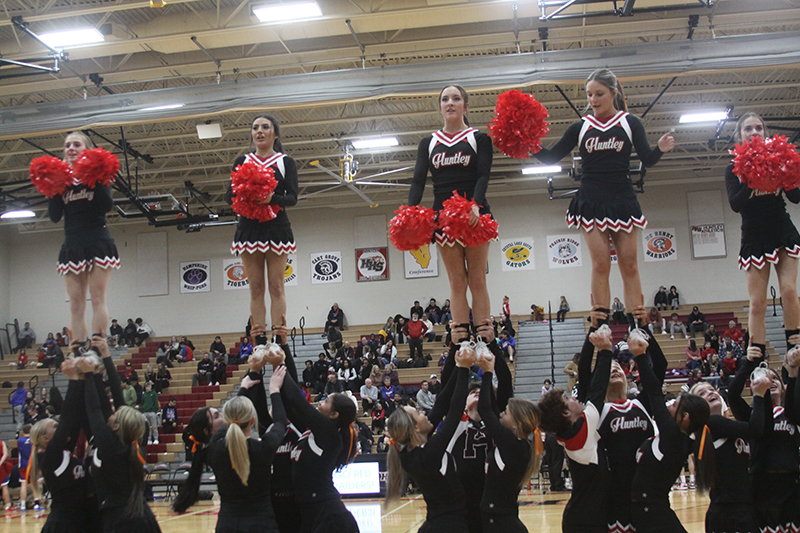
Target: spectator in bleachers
pixel 547 387
pixel 163 378
pixel 174 347
pixel 333 385
pixel 391 371
pixel 169 417
pixel 724 382
pixel 734 332
pixel 508 344
pixel 506 324
pixel 150 374
pixel 425 398
pixel 415 331
pixel 394 404
pixel 188 343
pixel 321 369
pixel 49 340
pixel 712 336
pixel 60 340
pixel 416 308
pixel 696 321
pixel 150 409
pixel 186 353
pixel 618 312
pixel 162 354
pixel 310 376
pixel 506 310
pixel 563 309
pixel 347 351
pixel 434 385
pixel 399 327
pixel 364 438
pixel 116 333
pixel 711 369
pixel 130 372
pixel 335 319
pixel 707 351
pixel 571 370
pixel 446 315
pixel 18 403
pixel 388 353
pixel 347 376
pixel 729 345
pixel 676 326
pixel 26 337
pixel 656 322
pixel 129 333
pixel 219 371
pixel 143 331
pixel 129 393
pixel 430 335
pixel 53 356
pixel 245 350
pixel 369 395
pixel 42 403
pixel 388 390
pixel 674 298
pixel 387 331
pixel 218 348
pixel 378 417
pixel 434 311
pixel 204 368
pixel 694 357
pixel 661 301
pixel 22 360
pixel 334 338
pixel 694 378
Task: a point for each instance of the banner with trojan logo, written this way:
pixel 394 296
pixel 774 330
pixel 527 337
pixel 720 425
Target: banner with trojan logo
pixel 564 251
pixel 422 262
pixel 290 272
pixel 659 245
pixel 233 275
pixel 517 254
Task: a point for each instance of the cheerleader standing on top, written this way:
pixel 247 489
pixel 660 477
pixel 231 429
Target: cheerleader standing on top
pixel 605 204
pixel 774 456
pixel 731 508
pixel 768 236
pixel 88 253
pixel 267 243
pixel 459 158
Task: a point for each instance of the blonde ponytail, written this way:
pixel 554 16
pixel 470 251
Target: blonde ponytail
pixel 39 430
pixel 238 412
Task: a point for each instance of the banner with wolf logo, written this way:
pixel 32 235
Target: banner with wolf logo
pixel 564 251
pixel 517 253
pixel 659 244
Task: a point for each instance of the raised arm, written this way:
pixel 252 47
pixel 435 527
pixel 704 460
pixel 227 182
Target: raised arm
pixel 300 412
pixel 599 384
pixel 563 147
pixel 437 445
pixel 420 173
pixel 499 434
pixel 252 388
pixel 100 431
pixel 652 388
pixel 739 407
pixel 585 367
pixel 505 383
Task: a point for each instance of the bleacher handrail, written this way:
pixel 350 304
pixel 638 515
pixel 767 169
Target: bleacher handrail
pixel 51 373
pixel 302 330
pixel 13 413
pixel 774 293
pixel 552 342
pixel 293 334
pixel 33 384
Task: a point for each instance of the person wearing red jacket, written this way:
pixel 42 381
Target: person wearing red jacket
pixel 415 331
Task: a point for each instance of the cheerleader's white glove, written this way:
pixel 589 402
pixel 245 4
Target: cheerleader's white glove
pixel 602 338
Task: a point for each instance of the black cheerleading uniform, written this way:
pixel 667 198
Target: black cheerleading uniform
pixel 87 241
pixel 314 458
pixel 111 475
pixel 247 509
pixel 273 235
pixel 64 474
pixel 606 199
pixel 659 462
pixel 507 463
pixel 766 226
pixel 433 469
pixel 731 509
pixel 458 163
pixel 586 511
pixel 774 457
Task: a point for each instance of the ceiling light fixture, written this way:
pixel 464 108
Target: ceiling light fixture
pixel 18 213
pixel 708 116
pixel 375 142
pixel 163 107
pixel 287 12
pixel 66 39
pixel 552 169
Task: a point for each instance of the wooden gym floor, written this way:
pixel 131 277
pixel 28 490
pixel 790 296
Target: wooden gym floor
pixel 541 513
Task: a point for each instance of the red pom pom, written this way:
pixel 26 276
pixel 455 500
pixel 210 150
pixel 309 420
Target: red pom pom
pixel 412 227
pixel 251 184
pixel 50 175
pixel 519 124
pixel 454 221
pixel 96 166
pixel 767 165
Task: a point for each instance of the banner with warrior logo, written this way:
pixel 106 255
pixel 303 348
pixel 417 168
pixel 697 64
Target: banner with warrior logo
pixel 659 245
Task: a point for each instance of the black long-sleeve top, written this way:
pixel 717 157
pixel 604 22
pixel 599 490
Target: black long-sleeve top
pixel 508 460
pixel 758 209
pixel 82 208
pixel 432 468
pixel 776 450
pixel 460 163
pixel 604 154
pixel 660 458
pixel 256 495
pixel 285 193
pixel 63 472
pixel 732 454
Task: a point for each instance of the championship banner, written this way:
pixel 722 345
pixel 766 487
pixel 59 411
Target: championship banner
pixel 233 275
pixel 708 240
pixel 517 254
pixel 564 251
pixel 659 245
pixel 290 272
pixel 372 264
pixel 195 277
pixel 422 262
pixel 326 267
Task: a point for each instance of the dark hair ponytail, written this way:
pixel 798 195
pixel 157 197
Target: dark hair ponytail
pixel 348 413
pixel 464 96
pixel 703 445
pixel 607 78
pixel 276 127
pixel 198 430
